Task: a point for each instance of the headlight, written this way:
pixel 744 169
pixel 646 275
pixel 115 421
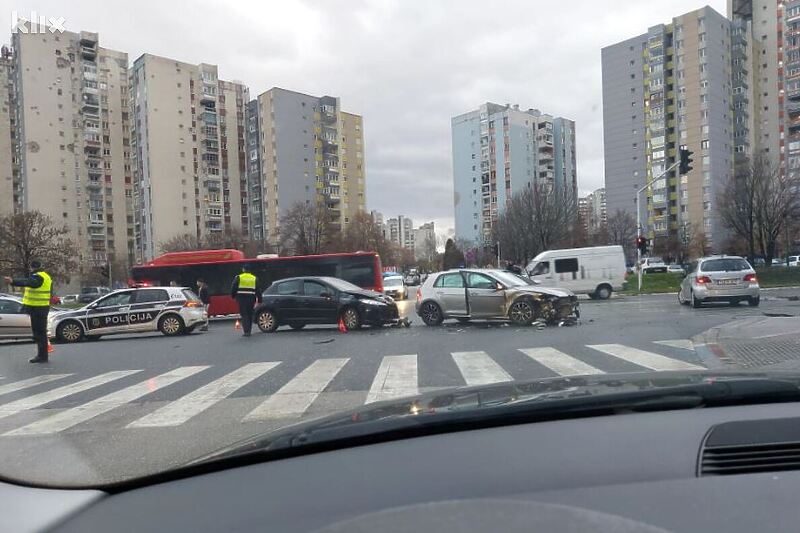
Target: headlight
pixel 372 302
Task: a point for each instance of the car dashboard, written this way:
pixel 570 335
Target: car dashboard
pixel 657 471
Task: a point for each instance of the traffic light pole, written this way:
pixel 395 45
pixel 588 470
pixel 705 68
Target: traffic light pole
pixel 639 217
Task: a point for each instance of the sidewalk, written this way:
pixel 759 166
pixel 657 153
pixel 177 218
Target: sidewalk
pixel 750 343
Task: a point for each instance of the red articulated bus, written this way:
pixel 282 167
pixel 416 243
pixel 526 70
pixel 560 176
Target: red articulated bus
pixel 219 267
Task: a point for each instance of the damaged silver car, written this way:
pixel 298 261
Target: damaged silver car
pixel 477 294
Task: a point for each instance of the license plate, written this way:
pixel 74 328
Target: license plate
pixel 727 282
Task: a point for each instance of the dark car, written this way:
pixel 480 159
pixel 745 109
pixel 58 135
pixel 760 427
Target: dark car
pixel 296 302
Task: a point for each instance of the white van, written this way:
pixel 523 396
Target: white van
pixel 596 271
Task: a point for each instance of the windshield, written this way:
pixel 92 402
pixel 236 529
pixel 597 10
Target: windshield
pixel 343 285
pixel 255 215
pixel 724 265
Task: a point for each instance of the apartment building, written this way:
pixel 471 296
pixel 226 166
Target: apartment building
pixel 401 231
pixel 377 217
pixel 769 56
pixel 675 82
pixel 72 140
pixel 497 151
pixel 425 241
pixel 189 152
pixel 597 210
pixel 10 199
pixel 303 148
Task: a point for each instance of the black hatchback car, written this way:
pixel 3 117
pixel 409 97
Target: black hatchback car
pixel 296 302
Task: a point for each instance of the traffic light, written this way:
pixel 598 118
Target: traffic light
pixel 642 244
pixel 685 165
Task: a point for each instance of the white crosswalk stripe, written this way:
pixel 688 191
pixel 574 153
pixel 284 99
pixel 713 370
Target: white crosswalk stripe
pixel 31 382
pixel 478 368
pixel 644 358
pixel 683 344
pixel 37 400
pixel 559 362
pixel 194 403
pixel 82 413
pixel 292 400
pixel 396 377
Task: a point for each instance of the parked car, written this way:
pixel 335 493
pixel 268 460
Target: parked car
pixel 170 310
pixel 15 323
pixel 395 287
pixel 596 271
pixel 652 265
pixel 468 294
pixel 69 299
pixel 720 278
pixel 296 302
pixel 794 260
pixel 777 261
pixel 676 269
pixel 90 294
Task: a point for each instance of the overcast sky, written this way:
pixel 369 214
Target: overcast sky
pixel 407 66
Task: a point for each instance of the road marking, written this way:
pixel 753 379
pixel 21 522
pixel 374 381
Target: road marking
pixel 82 413
pixel 683 344
pixel 559 362
pixel 478 368
pixel 396 377
pixel 31 382
pixel 177 412
pixel 650 360
pixel 292 400
pixel 32 402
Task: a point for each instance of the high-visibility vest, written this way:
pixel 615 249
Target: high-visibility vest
pixel 40 296
pixel 247 283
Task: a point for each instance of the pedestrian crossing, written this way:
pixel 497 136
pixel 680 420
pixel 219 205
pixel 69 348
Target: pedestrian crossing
pixel 296 390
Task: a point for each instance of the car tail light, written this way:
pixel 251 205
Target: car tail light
pixel 702 280
pixel 419 295
pixel 193 303
pixel 751 278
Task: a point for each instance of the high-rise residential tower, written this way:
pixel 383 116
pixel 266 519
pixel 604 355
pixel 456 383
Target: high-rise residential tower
pixel 303 148
pixel 497 151
pixel 189 154
pixel 675 81
pixel 10 199
pixel 72 140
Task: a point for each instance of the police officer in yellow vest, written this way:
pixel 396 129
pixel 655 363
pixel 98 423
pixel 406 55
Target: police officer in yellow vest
pixel 36 300
pixel 246 292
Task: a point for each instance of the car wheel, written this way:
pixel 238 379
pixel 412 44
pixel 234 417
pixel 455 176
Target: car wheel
pixel 297 326
pixel 267 321
pixel 521 313
pixel 431 314
pixel 69 331
pixel 753 302
pixel 603 292
pixel 695 302
pixel 170 325
pixel 351 319
pixel 681 300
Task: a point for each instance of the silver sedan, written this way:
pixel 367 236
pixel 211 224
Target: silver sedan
pixel 14 321
pixel 720 279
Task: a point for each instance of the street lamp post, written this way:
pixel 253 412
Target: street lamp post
pixel 639 216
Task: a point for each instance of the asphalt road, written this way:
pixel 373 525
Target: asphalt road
pixel 127 406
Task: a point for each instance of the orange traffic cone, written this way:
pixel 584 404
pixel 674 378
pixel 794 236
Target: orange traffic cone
pixel 238 325
pixel 342 327
pixel 50 348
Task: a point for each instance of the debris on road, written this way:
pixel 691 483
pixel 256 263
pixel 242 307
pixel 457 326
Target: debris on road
pixel 325 341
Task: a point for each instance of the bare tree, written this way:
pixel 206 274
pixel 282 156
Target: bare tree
pixel 30 236
pixel 738 203
pixel 185 242
pixel 537 218
pixel 306 229
pixel 621 228
pixel 776 199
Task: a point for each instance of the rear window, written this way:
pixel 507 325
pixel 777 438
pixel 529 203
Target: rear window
pixel 288 288
pixel 151 295
pixel 724 265
pixel 190 295
pixel 450 281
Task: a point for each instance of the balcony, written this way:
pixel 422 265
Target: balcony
pixel 94 184
pixel 88 52
pixel 213 215
pixel 212 185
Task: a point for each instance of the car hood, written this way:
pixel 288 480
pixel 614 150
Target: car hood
pixel 537 289
pixel 373 295
pixel 489 400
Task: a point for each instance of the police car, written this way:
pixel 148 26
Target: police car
pixel 170 310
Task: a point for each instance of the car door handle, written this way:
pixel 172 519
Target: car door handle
pixel 126 308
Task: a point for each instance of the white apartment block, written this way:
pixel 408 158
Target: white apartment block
pixel 70 116
pixel 189 155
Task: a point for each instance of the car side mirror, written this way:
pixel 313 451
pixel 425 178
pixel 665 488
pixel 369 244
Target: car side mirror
pixel 499 287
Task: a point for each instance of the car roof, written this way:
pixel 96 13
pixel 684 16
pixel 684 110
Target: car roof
pixel 10 296
pixel 720 257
